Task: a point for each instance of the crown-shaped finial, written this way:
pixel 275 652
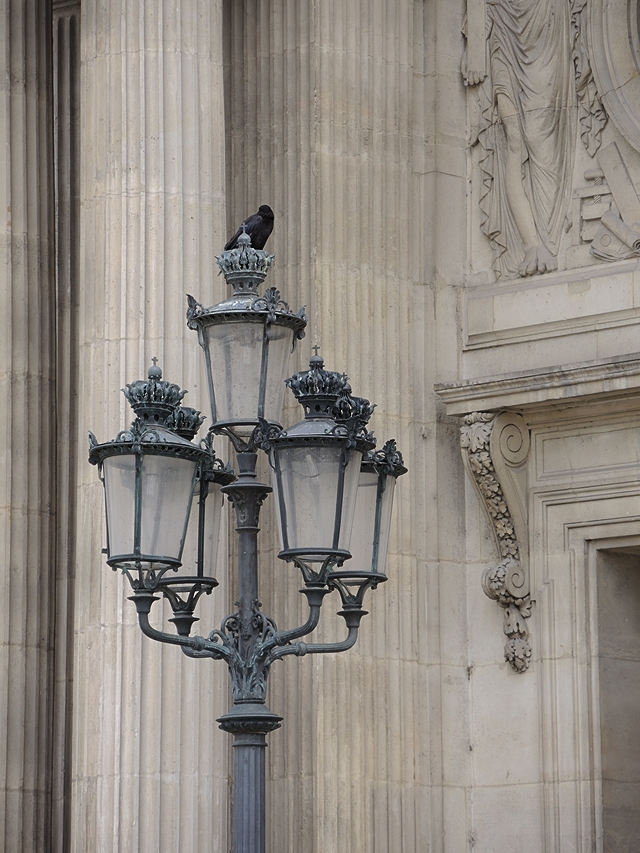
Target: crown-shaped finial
pixel 153 399
pixel 185 421
pixel 244 267
pixel 317 389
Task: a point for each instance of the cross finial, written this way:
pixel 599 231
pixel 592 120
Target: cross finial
pixel 315 349
pixel 154 371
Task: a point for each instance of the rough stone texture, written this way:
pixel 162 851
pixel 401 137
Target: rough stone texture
pixel 149 764
pixel 27 427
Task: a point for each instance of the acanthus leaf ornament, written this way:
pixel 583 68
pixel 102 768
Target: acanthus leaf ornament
pixel 495 447
pixel 352 414
pixel 194 310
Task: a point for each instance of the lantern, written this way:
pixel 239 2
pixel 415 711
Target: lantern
pixel 316 466
pixel 149 473
pixel 372 519
pixel 247 341
pixel 203 534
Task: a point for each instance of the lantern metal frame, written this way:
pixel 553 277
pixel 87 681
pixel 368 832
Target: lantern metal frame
pixel 162 428
pixel 140 441
pixel 244 269
pixel 248 640
pixel 352 585
pixel 333 418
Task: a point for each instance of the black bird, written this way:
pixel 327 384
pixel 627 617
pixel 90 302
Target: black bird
pixel 258 227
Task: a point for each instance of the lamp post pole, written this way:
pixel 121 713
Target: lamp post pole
pixel 250 720
pixel 324 473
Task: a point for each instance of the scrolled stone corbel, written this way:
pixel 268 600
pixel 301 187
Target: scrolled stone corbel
pixel 495 447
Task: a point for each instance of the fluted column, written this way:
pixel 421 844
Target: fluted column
pixel 249 800
pixel 27 426
pixel 66 120
pixel 150 766
pixel 326 108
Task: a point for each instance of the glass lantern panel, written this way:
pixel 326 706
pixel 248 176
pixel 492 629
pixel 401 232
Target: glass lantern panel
pixel 167 488
pixel 351 477
pixel 280 342
pixel 212 525
pixel 236 358
pixel 364 532
pixel 363 524
pixel 386 506
pixel 120 491
pixel 309 478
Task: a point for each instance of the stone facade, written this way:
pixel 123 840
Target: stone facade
pixel 456 189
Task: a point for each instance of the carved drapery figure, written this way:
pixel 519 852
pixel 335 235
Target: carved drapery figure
pixel 527 63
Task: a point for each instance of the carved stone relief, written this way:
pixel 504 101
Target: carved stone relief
pixel 606 212
pixel 618 234
pixel 495 448
pixel 615 56
pixel 527 66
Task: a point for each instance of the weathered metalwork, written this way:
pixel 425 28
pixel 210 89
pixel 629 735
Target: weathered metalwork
pixel 352 580
pixel 334 420
pixel 131 456
pixel 263 327
pixel 166 429
pixel 248 640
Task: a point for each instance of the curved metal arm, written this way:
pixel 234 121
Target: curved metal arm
pixel 351 617
pixel 315 597
pixel 192 653
pixel 192 646
pixel 301 649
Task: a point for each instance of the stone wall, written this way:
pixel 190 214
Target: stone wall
pixel 463 227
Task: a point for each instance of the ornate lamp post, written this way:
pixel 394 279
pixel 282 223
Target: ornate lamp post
pixel 163 497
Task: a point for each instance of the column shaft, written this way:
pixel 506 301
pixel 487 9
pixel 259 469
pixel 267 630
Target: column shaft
pixel 150 766
pixel 66 120
pixel 327 124
pixel 27 426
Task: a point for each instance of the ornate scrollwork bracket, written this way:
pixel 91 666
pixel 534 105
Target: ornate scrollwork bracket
pixel 495 447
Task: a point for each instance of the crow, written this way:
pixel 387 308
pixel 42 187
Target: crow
pixel 258 227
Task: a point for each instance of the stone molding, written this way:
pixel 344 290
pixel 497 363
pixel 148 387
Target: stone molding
pixel 618 375
pixel 495 447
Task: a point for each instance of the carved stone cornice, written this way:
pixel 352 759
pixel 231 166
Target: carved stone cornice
pixel 495 447
pixel 610 378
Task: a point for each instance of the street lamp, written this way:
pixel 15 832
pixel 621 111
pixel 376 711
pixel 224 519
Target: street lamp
pixel 163 498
